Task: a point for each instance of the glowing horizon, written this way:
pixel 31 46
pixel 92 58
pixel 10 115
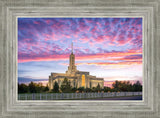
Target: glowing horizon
pixel 106 47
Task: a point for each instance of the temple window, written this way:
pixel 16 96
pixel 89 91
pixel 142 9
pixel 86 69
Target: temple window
pixel 83 80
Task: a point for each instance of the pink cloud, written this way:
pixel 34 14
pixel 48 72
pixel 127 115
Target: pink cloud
pixel 99 56
pixel 36 22
pixel 48 21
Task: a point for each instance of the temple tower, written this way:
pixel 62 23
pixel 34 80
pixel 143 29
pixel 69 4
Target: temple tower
pixel 71 68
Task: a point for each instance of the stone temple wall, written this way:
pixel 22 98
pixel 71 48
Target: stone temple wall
pixel 76 77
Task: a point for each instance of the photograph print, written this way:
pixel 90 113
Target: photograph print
pixel 80 58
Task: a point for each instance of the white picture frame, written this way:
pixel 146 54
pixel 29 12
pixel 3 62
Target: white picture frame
pixel 11 107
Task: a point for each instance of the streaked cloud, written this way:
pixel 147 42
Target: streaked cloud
pixel 102 43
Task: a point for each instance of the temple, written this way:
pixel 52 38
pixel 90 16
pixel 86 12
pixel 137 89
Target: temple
pixel 77 78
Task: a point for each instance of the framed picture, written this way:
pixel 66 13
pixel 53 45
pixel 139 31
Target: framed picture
pixel 112 46
pixel 79 59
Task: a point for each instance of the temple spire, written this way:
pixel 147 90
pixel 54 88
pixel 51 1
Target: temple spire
pixel 72 47
pixel 72 67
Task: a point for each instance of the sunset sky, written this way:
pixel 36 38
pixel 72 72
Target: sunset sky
pixel 106 47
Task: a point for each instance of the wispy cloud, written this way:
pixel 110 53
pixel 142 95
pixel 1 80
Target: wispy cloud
pixel 45 37
pixel 98 42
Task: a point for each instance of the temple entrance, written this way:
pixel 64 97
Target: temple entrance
pixel 83 80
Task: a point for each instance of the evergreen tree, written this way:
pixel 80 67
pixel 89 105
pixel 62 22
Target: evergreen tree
pixel 98 87
pixel 66 86
pixel 56 87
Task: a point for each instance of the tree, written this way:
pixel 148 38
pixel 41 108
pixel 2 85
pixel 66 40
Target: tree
pixel 66 86
pixel 32 88
pixel 98 87
pixel 55 87
pixel 74 89
pixel 137 86
pixel 22 88
pixel 46 88
pixel 81 89
pixel 126 86
pixel 39 87
pixel 116 85
pixel 94 89
pixel 108 89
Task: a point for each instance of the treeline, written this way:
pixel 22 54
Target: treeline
pixel 32 88
pixel 124 86
pixel 65 88
pixel 117 86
